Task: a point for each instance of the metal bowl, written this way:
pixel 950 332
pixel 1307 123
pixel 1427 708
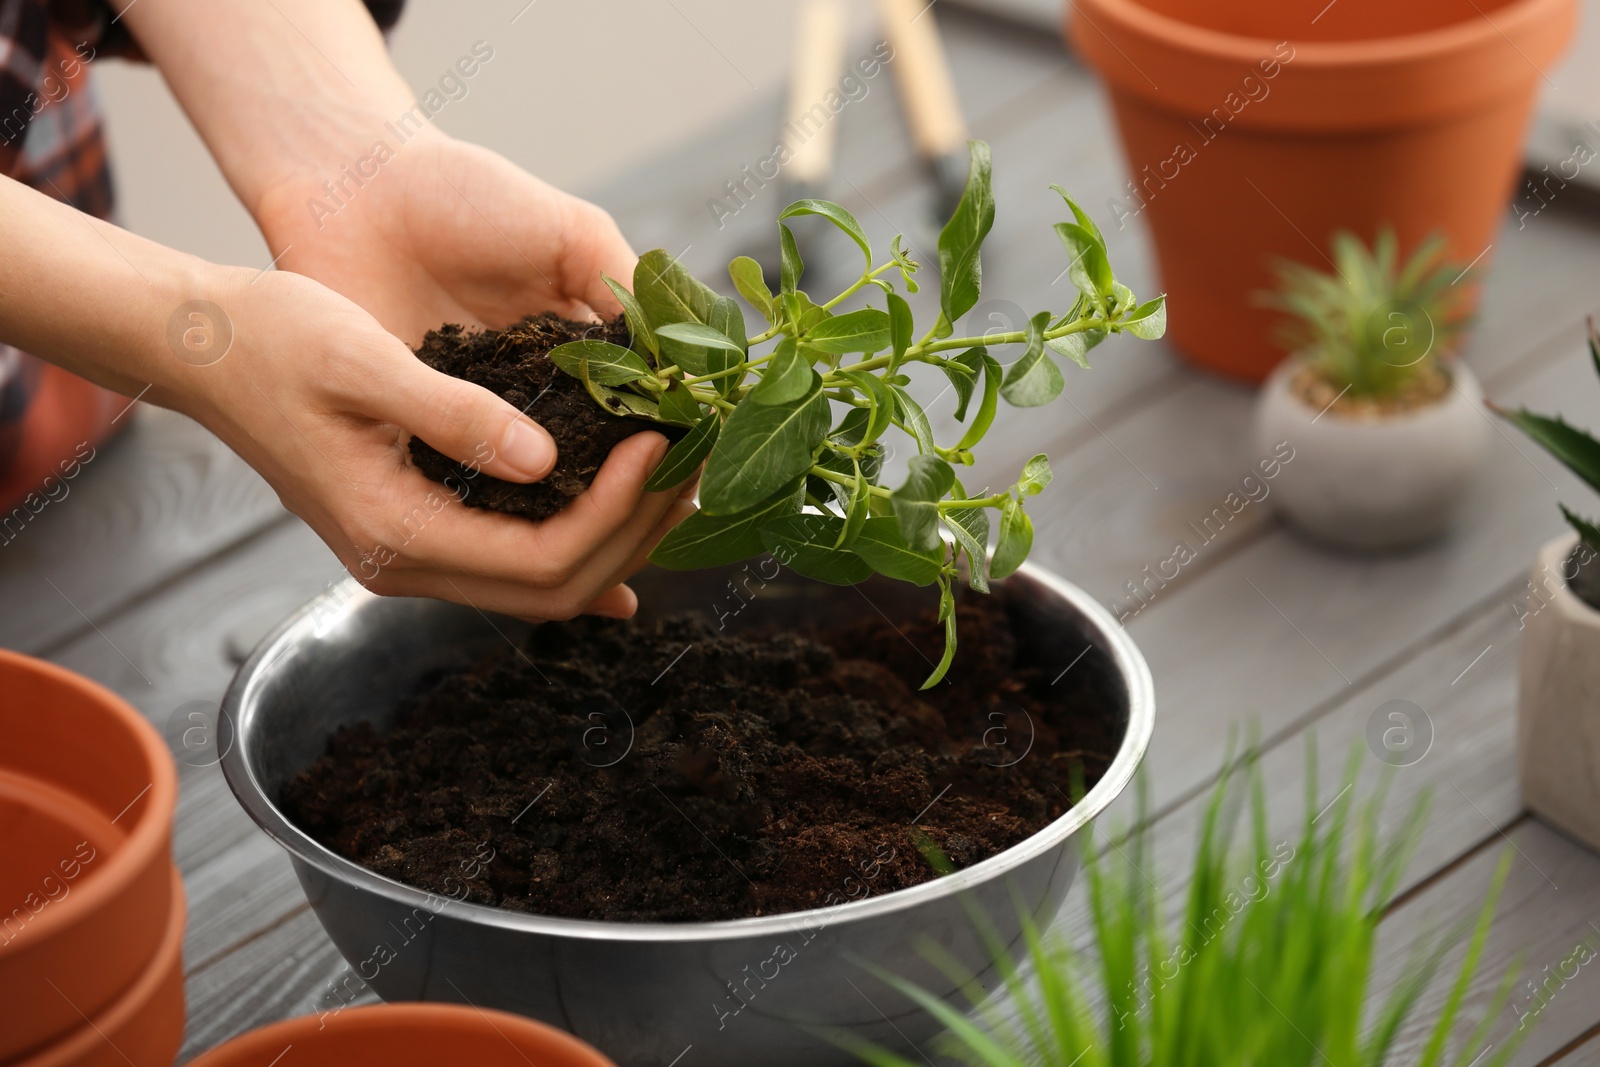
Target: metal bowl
pixel 741 992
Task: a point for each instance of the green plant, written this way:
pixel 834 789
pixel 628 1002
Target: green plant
pixel 1272 963
pixel 763 423
pixel 1374 325
pixel 1578 450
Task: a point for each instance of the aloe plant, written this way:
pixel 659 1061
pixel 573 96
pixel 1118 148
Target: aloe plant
pixel 1271 964
pixel 781 473
pixel 1576 449
pixel 1374 324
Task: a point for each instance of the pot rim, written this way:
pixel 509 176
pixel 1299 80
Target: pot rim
pixel 1460 36
pixel 367 1018
pixel 151 835
pixel 1465 388
pixel 1115 642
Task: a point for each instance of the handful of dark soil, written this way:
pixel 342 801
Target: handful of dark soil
pixel 675 773
pixel 514 364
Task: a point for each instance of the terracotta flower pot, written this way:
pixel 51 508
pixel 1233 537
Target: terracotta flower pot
pixel 1254 128
pixel 407 1035
pixel 87 790
pixel 143 1027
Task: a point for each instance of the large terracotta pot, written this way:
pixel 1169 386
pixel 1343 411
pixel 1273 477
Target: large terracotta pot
pixel 1255 128
pixel 87 790
pixel 407 1035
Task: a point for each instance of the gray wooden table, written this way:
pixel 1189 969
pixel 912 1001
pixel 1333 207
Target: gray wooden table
pixel 170 557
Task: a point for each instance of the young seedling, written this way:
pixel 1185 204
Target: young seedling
pixel 1374 327
pixel 782 474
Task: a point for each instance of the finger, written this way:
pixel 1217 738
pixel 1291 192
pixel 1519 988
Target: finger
pixel 595 246
pixel 542 555
pixel 618 602
pixel 627 553
pixel 466 422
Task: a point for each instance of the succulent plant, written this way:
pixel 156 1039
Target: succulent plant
pixel 1374 325
pixel 1576 449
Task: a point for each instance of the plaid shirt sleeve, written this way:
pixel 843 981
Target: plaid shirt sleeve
pixel 50 133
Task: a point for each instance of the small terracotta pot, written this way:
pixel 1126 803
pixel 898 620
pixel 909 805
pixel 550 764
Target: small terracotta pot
pixel 407 1035
pixel 1254 129
pixel 144 1026
pixel 87 790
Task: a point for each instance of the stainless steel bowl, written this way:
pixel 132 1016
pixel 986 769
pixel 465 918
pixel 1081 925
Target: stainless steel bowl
pixel 741 992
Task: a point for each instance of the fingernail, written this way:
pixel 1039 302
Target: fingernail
pixel 528 449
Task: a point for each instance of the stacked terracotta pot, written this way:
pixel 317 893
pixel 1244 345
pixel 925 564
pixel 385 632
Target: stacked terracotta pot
pixel 91 906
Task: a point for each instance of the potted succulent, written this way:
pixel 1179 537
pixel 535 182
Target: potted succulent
pixel 1386 429
pixel 91 907
pixel 1272 964
pixel 1251 124
pixel 1559 682
pixel 666 832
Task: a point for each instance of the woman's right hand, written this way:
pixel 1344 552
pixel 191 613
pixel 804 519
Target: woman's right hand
pixel 319 399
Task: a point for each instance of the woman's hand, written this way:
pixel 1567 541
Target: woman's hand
pixel 320 399
pixel 445 231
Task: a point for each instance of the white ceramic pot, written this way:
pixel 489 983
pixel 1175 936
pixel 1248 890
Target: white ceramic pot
pixel 1372 483
pixel 1558 700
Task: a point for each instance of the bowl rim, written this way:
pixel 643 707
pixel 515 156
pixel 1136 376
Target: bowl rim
pixel 238 703
pixel 148 841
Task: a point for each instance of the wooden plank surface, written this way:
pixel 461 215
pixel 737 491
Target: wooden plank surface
pixel 181 557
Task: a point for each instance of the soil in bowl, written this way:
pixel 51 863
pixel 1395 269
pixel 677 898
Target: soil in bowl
pixel 514 364
pixel 1319 394
pixel 674 773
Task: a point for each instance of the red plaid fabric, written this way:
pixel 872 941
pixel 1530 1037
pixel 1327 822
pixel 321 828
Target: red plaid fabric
pixel 50 139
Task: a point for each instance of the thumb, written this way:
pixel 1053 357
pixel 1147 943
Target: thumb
pixel 466 422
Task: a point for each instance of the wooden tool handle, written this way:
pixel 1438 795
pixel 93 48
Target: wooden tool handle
pixel 809 131
pixel 922 73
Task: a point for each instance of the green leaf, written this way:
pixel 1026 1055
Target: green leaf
pixel 881 544
pixel 668 293
pixel 1074 346
pixel 900 328
pixel 1148 320
pixel 752 285
pixel 864 330
pixel 1578 451
pixel 608 364
pixel 857 511
pixel 728 320
pixel 704 540
pixel 793 266
pixel 882 412
pixel 961 240
pixel 963 372
pixel 684 458
pixel 1016 540
pixel 1081 216
pixel 1036 474
pixel 947 615
pixel 1090 270
pixel 694 333
pixel 852 427
pixel 621 402
pixel 970 526
pixel 806 543
pixel 785 378
pixel 1587 530
pixel 761 448
pixel 907 265
pixel 914 419
pixel 986 407
pixel 826 490
pixel 836 215
pixel 678 404
pixel 633 314
pixel 916 502
pixel 1034 378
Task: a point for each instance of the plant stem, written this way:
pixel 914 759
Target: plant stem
pixel 1012 337
pixel 861 283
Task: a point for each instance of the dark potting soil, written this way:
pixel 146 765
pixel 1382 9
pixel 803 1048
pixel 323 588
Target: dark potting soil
pixel 514 364
pixel 675 773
